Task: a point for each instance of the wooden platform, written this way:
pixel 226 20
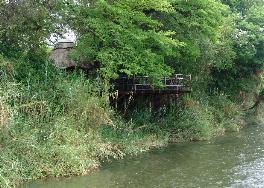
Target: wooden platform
pixel 139 85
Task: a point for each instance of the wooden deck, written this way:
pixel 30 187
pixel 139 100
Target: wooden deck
pixel 139 85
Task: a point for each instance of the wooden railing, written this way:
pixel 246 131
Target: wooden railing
pixel 176 84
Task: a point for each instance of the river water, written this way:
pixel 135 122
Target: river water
pixel 235 160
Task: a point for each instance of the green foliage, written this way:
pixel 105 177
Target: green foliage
pixel 242 6
pixel 202 119
pixel 25 26
pixel 125 39
pixel 205 27
pixel 58 124
pixel 196 23
pixel 248 47
pixel 55 124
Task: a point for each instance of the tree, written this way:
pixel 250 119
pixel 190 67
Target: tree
pixel 248 46
pixel 124 38
pixel 202 25
pixel 242 6
pixel 22 30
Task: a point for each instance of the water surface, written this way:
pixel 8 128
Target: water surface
pixel 235 160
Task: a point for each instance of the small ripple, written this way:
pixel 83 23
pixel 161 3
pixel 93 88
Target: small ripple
pixel 249 175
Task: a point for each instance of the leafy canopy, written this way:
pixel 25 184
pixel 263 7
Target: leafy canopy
pixel 198 24
pixel 248 45
pixel 124 37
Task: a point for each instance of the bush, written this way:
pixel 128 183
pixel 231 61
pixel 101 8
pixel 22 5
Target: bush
pixel 201 119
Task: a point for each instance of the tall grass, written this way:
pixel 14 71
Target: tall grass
pixel 58 124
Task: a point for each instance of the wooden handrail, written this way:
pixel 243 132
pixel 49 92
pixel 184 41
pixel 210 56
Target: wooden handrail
pixel 140 84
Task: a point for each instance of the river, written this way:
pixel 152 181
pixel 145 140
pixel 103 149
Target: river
pixel 235 160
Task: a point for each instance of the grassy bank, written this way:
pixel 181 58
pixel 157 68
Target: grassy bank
pixel 57 124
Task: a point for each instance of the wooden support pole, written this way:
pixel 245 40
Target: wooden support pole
pixel 150 104
pixel 116 102
pixel 125 105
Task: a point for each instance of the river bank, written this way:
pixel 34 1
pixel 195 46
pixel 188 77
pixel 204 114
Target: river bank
pixel 232 160
pixel 55 124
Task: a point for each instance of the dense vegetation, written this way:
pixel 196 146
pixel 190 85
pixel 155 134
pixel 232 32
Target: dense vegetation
pixel 54 123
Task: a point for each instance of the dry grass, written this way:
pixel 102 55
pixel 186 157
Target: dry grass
pixel 5 113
